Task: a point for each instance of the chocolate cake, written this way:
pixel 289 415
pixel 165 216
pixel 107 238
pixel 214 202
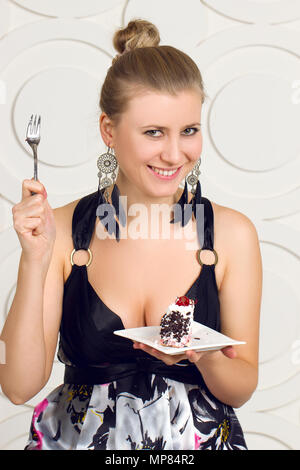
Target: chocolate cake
pixel 176 323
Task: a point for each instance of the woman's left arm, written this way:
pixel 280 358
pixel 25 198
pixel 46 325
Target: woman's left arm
pixel 233 380
pixel 231 374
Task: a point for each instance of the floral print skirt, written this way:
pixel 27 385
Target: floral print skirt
pixel 148 412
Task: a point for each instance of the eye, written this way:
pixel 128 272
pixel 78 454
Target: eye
pixel 152 130
pixel 192 128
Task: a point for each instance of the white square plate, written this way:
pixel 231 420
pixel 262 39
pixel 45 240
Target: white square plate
pixel 203 338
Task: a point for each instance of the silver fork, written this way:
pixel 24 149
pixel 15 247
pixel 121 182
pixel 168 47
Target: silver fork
pixel 33 139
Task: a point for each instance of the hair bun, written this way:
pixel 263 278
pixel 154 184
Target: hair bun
pixel 138 33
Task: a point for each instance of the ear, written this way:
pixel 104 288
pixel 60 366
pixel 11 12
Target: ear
pixel 106 129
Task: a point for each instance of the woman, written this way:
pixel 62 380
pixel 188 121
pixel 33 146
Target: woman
pixel 74 279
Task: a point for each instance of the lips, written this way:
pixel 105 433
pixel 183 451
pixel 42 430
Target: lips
pixel 164 177
pixel 163 169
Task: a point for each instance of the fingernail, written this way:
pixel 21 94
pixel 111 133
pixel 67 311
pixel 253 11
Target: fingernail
pixel 45 193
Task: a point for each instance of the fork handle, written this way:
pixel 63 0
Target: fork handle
pixel 34 148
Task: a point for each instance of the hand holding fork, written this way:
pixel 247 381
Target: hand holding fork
pixel 33 139
pixel 33 217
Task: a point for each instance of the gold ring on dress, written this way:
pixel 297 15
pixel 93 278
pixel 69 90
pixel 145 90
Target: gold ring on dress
pixel 199 260
pixel 90 259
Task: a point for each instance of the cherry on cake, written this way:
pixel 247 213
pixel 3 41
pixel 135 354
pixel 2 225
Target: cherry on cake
pixel 176 323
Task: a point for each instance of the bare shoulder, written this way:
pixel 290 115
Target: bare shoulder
pixel 234 231
pixel 63 218
pixel 230 216
pixel 63 221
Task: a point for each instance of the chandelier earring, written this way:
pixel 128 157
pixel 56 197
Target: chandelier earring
pixel 107 164
pixel 193 177
pixel 184 209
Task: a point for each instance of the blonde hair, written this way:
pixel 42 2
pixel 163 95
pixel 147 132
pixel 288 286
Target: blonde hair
pixel 141 65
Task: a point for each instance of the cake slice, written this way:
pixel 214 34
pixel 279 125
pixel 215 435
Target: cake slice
pixel 176 323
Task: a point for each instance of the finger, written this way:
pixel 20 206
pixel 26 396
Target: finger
pixel 29 224
pixel 148 349
pixel 30 207
pixel 28 212
pixel 153 352
pixel 32 185
pixel 39 229
pixel 229 351
pixel 166 358
pixel 193 356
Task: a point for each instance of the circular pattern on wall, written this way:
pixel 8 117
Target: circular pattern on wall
pixel 239 66
pixel 60 95
pixel 279 374
pixel 14 430
pixel 275 343
pixel 179 25
pixel 68 8
pixel 54 68
pixel 4 19
pixel 260 105
pixel 262 11
pixel 264 431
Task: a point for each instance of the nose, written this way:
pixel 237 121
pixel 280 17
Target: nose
pixel 172 153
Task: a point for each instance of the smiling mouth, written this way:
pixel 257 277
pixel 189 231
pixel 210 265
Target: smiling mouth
pixel 164 172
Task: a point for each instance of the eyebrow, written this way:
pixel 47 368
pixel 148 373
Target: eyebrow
pixel 162 127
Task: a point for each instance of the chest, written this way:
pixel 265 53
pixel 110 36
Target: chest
pixel 138 279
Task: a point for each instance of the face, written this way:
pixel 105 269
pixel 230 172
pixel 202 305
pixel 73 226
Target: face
pixel 161 131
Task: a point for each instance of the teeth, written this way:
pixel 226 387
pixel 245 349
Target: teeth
pixel 164 172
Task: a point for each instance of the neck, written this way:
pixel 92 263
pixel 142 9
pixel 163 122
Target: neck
pixel 135 196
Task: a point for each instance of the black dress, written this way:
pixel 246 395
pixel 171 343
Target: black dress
pixel 117 398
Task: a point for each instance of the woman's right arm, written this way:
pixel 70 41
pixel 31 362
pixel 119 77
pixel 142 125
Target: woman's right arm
pixel 31 329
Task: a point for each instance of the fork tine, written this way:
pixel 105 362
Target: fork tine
pixel 39 125
pixel 29 127
pixel 34 124
pixel 31 123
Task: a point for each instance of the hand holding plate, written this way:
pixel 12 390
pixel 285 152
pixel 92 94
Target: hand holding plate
pixel 192 356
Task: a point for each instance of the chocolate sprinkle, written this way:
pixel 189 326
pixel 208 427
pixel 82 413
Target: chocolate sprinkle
pixel 174 323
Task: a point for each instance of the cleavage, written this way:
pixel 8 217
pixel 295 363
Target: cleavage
pixel 143 322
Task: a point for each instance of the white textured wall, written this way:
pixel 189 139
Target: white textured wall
pixel 53 58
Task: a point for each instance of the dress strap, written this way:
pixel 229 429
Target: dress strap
pixel 83 221
pixel 208 243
